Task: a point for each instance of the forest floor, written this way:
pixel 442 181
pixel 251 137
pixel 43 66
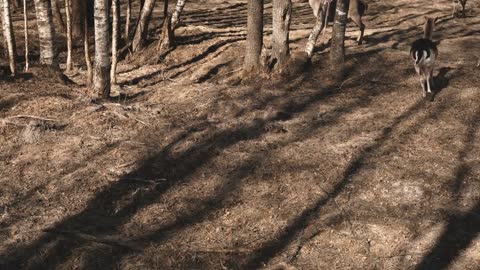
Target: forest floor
pixel 182 169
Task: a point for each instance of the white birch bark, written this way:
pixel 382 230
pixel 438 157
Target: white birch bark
pixel 46 32
pixel 9 36
pixel 101 79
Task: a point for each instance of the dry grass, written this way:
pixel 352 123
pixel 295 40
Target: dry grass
pixel 182 171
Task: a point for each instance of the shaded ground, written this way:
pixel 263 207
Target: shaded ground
pixel 182 171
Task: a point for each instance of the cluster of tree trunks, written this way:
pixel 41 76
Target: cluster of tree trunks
pixel 280 55
pixel 101 75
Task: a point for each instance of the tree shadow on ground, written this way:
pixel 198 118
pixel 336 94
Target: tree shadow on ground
pixel 103 217
pixel 461 228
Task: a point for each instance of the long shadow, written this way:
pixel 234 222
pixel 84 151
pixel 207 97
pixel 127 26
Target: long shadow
pixel 101 218
pixel 462 229
pixel 271 248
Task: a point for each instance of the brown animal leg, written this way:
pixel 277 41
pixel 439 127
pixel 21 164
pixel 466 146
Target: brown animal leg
pixel 358 21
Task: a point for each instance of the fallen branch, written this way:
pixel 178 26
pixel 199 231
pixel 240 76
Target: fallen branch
pixel 32 117
pixel 100 240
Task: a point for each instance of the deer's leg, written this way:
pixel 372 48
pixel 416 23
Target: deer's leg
pixel 424 86
pixel 429 88
pixel 358 21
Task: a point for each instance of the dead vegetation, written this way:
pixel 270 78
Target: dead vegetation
pixel 182 170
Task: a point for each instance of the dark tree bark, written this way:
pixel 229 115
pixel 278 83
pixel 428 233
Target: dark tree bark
pixel 337 50
pixel 101 79
pixel 282 10
pixel 253 49
pixel 79 8
pixel 57 16
pixel 142 26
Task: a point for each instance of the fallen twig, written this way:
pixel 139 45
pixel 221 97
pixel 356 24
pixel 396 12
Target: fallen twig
pixel 32 117
pixel 100 240
pixel 150 181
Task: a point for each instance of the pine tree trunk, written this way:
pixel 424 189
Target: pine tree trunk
pixel 46 33
pixel 101 80
pixel 128 18
pixel 253 49
pixel 57 16
pixel 176 13
pixel 142 27
pixel 25 29
pixel 9 36
pixel 337 50
pixel 68 13
pixel 88 59
pixel 282 10
pixel 317 28
pixel 115 36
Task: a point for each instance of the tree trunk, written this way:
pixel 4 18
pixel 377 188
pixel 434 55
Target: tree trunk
pixel 80 11
pixel 57 16
pixel 9 36
pixel 101 80
pixel 142 26
pixel 317 28
pixel 68 13
pixel 337 50
pixel 253 49
pixel 17 4
pixel 115 36
pixel 176 13
pixel 128 18
pixel 46 33
pixel 282 10
pixel 25 29
pixel 88 59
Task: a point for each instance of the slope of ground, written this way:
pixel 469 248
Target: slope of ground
pixel 181 171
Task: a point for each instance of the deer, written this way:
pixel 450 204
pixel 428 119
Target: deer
pixel 356 11
pixel 424 53
pixel 455 6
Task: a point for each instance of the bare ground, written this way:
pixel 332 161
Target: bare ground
pixel 181 170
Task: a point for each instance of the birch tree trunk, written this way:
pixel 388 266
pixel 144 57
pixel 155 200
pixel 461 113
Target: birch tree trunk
pixel 253 49
pixel 101 79
pixel 9 36
pixel 142 26
pixel 25 29
pixel 317 28
pixel 68 13
pixel 128 18
pixel 115 32
pixel 177 12
pixel 282 10
pixel 88 59
pixel 57 16
pixel 337 50
pixel 46 33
